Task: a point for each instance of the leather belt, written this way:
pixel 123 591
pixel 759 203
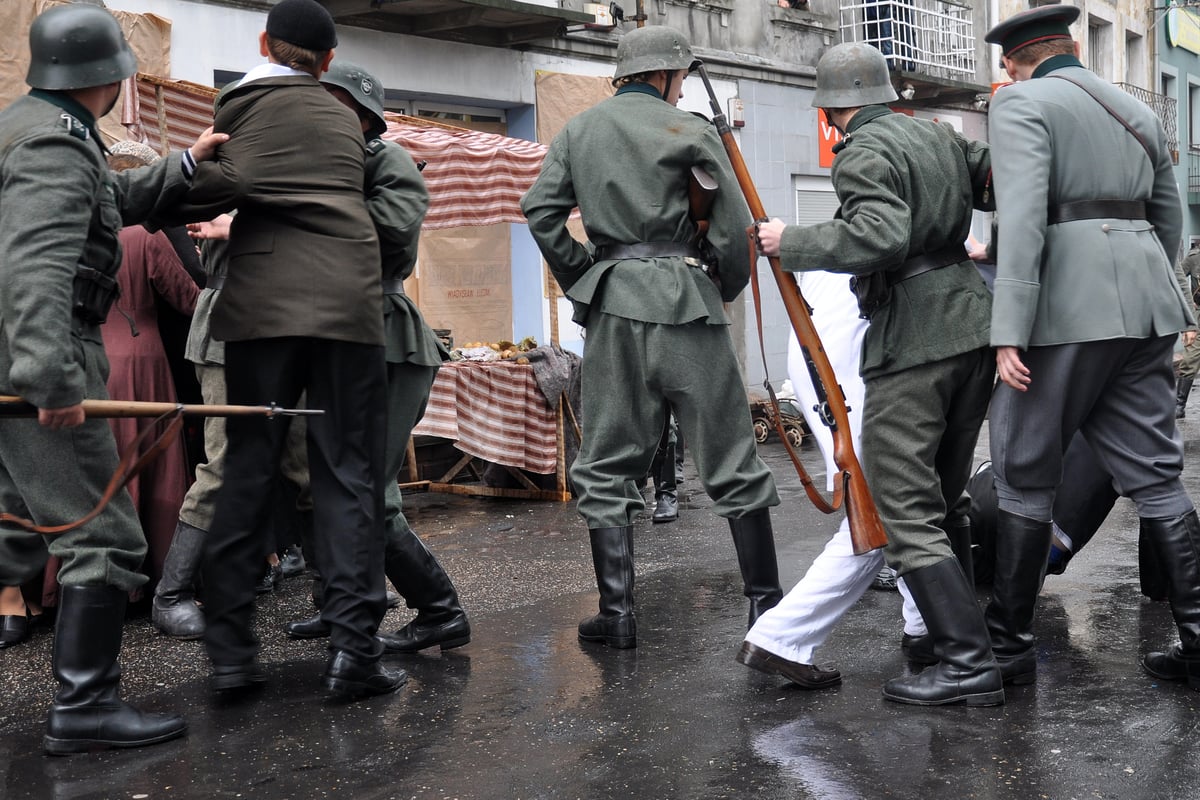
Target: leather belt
pixel 927 262
pixel 393 287
pixel 616 252
pixel 1096 209
pixel 215 282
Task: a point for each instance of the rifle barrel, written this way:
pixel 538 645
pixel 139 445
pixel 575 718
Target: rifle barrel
pixel 11 406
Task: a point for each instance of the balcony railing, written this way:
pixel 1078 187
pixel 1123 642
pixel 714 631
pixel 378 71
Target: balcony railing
pixel 1166 109
pixel 933 37
pixel 1193 188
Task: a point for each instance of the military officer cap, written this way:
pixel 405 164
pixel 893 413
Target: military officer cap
pixel 1035 25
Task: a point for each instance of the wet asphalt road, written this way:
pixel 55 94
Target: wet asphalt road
pixel 526 711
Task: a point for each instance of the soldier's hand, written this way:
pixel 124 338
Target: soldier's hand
pixel 213 229
pixel 205 148
pixel 769 236
pixel 1012 370
pixel 58 418
pixel 1189 338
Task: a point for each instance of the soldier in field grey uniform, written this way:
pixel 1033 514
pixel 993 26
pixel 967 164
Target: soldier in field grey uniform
pixel 657 335
pixel 59 251
pixel 1087 312
pixel 907 188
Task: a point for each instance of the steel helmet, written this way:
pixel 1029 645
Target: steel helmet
pixel 653 48
pixel 363 87
pixel 852 75
pixel 77 46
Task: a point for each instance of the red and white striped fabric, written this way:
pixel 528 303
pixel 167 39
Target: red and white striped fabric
pixel 473 178
pixel 494 411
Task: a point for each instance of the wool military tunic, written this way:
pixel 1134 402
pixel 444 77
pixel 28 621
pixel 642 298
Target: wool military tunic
pixel 893 207
pixel 907 187
pixel 657 334
pixel 1092 303
pixel 63 208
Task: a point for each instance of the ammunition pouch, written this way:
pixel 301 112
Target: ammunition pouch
pixel 872 292
pixel 93 294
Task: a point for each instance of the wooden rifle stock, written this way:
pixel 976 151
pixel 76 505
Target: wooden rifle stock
pixel 105 409
pixel 136 457
pixel 866 529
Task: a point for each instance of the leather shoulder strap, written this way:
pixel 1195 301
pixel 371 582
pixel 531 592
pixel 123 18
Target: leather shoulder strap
pixel 1140 139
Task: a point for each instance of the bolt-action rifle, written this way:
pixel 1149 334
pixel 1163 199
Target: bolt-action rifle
pixel 850 488
pixel 134 460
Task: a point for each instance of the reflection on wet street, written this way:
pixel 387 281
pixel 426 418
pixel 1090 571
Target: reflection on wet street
pixel 525 711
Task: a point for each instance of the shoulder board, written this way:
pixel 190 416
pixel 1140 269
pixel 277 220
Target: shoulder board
pixel 375 146
pixel 75 127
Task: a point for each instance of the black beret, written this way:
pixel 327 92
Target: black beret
pixel 304 23
pixel 1035 25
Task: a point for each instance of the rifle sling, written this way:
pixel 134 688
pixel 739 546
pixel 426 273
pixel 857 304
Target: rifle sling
pixel 128 468
pixel 814 494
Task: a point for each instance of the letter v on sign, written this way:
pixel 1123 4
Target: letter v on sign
pixel 827 137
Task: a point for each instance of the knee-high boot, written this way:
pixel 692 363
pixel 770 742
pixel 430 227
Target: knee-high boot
pixel 754 542
pixel 1177 542
pixel 1182 389
pixel 666 496
pixel 612 556
pixel 174 610
pixel 88 713
pixel 425 586
pixel 966 672
pixel 959 535
pixel 1022 547
pixel 920 649
pixel 1152 577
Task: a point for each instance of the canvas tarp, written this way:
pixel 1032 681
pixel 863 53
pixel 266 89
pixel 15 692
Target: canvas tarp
pixel 473 178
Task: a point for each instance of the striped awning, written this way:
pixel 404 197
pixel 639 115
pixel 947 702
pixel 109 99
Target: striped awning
pixel 474 178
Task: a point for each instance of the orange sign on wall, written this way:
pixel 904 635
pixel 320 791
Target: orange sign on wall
pixel 827 137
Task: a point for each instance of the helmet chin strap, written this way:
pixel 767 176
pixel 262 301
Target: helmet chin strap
pixel 671 75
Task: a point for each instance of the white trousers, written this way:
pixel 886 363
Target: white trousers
pixel 837 578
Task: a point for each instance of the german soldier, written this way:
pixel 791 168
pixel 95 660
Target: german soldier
pixel 657 335
pixel 907 188
pixel 1087 312
pixel 63 210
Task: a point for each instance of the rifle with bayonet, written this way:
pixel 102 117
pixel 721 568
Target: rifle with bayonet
pixel 134 460
pixel 110 409
pixel 850 489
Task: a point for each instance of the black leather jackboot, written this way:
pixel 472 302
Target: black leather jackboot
pixel 965 672
pixel 174 610
pixel 920 649
pixel 754 541
pixel 612 556
pixel 426 587
pixel 1177 543
pixel 666 495
pixel 88 713
pixel 1182 389
pixel 1022 547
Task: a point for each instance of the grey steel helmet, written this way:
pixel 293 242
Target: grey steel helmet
pixel 77 46
pixel 363 87
pixel 653 48
pixel 852 75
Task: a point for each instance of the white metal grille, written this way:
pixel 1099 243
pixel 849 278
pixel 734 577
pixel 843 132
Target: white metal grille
pixel 929 36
